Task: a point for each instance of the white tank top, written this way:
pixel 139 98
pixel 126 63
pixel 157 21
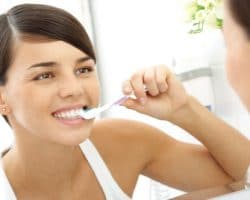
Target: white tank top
pixel 111 189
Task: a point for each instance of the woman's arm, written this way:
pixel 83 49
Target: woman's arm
pixel 166 99
pixel 143 149
pixel 212 192
pixel 230 148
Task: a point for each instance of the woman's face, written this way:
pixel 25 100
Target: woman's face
pixel 46 81
pixel 238 57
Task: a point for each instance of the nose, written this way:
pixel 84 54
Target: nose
pixel 70 87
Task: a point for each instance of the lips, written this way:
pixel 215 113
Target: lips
pixel 67 108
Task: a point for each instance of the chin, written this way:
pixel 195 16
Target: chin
pixel 74 138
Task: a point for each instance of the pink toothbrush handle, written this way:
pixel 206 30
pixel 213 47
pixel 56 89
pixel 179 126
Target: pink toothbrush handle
pixel 121 100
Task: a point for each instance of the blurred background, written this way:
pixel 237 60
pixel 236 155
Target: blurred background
pixel 133 34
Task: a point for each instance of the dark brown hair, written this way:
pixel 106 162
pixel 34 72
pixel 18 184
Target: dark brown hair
pixel 35 21
pixel 240 10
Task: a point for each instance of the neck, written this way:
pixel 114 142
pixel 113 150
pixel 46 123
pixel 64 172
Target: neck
pixel 39 164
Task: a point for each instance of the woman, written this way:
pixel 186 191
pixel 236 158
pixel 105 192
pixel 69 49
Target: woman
pixel 47 70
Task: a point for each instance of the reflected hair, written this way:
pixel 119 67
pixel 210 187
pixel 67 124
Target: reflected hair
pixel 240 10
pixel 39 22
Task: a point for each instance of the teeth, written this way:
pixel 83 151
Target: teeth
pixel 71 114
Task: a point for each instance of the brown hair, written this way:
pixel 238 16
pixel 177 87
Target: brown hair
pixel 240 10
pixel 34 21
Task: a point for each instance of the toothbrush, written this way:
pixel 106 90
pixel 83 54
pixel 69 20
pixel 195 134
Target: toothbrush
pixel 91 113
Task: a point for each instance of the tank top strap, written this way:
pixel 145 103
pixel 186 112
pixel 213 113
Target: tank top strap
pixel 6 191
pixel 111 189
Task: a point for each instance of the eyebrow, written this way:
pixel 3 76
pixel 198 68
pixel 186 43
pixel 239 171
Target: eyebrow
pixel 52 64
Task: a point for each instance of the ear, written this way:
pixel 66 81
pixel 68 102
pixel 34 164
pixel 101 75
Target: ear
pixel 2 96
pixel 4 108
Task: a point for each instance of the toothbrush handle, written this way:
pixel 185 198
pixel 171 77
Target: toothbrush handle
pixel 121 100
pixel 109 105
pixel 117 102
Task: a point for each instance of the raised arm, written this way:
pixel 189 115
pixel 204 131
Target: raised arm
pixel 227 145
pixel 166 99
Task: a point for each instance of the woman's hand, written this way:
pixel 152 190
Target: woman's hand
pixel 158 92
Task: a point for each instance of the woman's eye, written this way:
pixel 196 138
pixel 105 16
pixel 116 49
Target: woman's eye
pixel 84 70
pixel 44 76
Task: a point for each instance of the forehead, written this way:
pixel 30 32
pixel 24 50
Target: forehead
pixel 29 52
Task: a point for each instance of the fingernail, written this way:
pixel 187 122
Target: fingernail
pixel 143 101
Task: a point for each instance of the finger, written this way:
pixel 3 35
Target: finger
pixel 138 86
pixel 150 82
pixel 161 74
pixel 127 87
pixel 133 104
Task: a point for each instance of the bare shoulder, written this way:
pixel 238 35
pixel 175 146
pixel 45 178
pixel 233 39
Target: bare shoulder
pixel 129 148
pixel 129 139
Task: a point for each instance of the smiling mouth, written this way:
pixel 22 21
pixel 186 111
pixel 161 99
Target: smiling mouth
pixel 68 115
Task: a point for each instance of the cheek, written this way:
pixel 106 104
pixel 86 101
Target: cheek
pixel 236 67
pixel 25 103
pixel 231 63
pixel 238 72
pixel 93 91
pixel 18 97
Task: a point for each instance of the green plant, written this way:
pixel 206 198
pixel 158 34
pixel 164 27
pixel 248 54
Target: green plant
pixel 204 12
